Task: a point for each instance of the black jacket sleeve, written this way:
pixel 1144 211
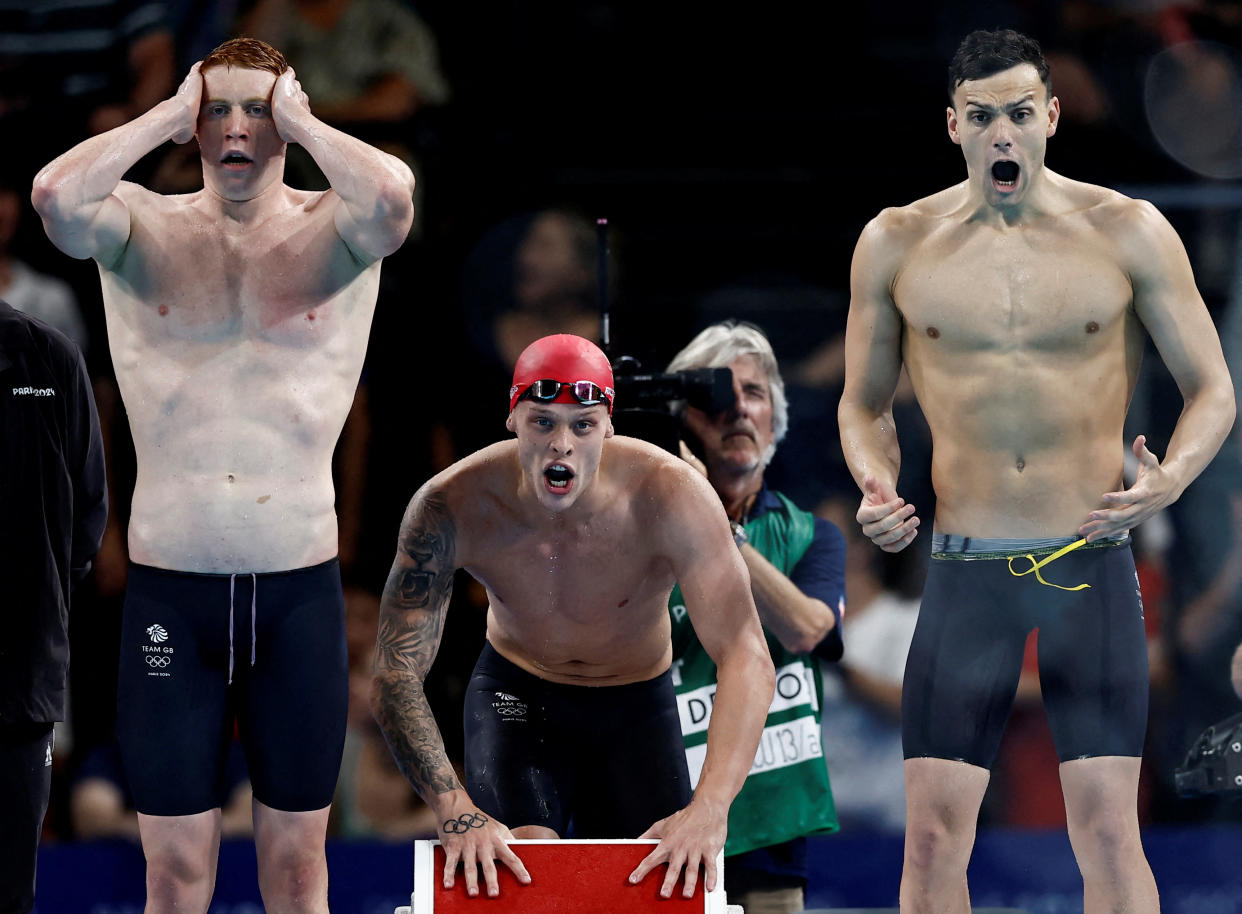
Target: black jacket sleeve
pixel 86 460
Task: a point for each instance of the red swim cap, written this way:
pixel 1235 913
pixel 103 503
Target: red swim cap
pixel 565 358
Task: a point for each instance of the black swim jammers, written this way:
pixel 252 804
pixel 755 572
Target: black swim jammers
pixel 609 759
pixel 199 651
pixel 981 600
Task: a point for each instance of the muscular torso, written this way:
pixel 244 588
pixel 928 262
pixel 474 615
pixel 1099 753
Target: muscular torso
pixel 574 602
pixel 1023 349
pixel 237 351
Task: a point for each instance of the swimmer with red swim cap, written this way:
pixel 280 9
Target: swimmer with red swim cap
pixel 578 536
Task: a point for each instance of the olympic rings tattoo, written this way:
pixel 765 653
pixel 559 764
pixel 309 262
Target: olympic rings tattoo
pixel 464 823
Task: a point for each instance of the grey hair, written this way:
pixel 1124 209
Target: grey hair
pixel 721 344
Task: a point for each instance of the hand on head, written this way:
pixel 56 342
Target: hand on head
pixel 189 98
pixel 289 104
pixel 885 517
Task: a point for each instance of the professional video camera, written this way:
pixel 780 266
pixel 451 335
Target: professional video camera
pixel 643 398
pixel 1214 763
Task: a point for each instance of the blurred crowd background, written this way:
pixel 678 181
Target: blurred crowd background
pixel 736 156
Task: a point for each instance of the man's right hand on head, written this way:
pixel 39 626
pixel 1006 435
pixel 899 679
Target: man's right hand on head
pixel 189 98
pixel 885 517
pixel 476 840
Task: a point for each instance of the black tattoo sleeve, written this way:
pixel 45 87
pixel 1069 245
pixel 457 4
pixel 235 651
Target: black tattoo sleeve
pixel 411 622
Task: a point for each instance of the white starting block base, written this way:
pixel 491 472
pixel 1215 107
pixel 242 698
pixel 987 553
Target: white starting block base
pixel 573 877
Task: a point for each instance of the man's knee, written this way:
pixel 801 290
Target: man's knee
pixel 293 874
pixel 292 863
pixel 179 876
pixel 1105 839
pixel 938 842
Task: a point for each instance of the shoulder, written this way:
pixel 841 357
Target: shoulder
pixel 828 535
pixel 1142 234
pixel 17 326
pixel 23 332
pixel 662 488
pixel 895 231
pixel 312 201
pixel 1128 222
pixel 914 220
pixel 465 484
pixel 643 467
pixel 140 199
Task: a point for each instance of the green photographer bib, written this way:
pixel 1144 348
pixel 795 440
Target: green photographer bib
pixel 787 793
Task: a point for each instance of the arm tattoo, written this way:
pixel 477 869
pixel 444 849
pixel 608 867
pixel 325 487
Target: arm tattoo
pixel 410 625
pixel 419 586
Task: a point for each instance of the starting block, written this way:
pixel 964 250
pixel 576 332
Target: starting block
pixel 567 877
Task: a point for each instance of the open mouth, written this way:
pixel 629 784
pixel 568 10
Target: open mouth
pixel 1005 173
pixel 558 476
pixel 235 160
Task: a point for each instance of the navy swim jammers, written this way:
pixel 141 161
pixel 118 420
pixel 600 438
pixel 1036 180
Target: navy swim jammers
pixel 981 600
pixel 199 651
pixel 609 759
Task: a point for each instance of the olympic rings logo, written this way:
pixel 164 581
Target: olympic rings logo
pixel 160 662
pixel 511 711
pixel 464 823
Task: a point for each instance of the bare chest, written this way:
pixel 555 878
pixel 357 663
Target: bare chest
pixel 289 282
pixel 593 580
pixel 1031 291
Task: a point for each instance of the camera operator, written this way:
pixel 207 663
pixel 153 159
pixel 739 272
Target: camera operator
pixel 797 573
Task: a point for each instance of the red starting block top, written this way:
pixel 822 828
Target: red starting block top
pixel 567 877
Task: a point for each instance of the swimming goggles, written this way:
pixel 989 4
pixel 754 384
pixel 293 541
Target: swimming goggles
pixel 588 393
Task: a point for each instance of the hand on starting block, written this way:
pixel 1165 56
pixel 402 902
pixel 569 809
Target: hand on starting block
pixel 692 837
pixel 476 840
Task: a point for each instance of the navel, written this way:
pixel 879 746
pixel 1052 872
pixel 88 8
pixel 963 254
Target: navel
pixel 1020 464
pixel 1092 327
pixel 231 479
pixel 933 333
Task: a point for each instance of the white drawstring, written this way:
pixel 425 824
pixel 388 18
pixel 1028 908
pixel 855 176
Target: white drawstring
pixel 254 597
pixel 232 578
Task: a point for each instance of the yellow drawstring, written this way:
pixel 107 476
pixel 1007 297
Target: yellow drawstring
pixel 1035 566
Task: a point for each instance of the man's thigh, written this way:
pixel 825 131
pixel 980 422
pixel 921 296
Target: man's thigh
pixel 293 701
pixel 964 663
pixel 517 769
pixel 631 760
